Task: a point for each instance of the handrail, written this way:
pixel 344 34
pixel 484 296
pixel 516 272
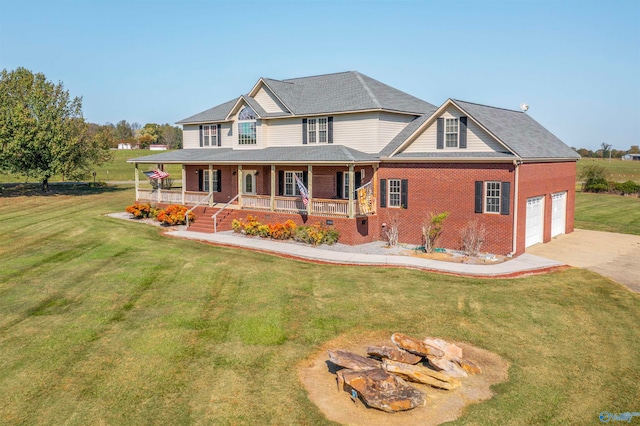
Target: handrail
pixel 215 215
pixel 194 207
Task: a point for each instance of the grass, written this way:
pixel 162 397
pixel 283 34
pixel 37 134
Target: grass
pixel 104 321
pixel 116 170
pixel 617 169
pixel 610 213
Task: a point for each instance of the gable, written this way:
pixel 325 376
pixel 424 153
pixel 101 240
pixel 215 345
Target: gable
pixel 478 140
pixel 268 100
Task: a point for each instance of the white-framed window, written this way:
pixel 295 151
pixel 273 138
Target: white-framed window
pixel 394 192
pixel 210 135
pixel 317 130
pixel 451 132
pixel 205 180
pixel 247 126
pixel 492 197
pixel 290 185
pixel 345 187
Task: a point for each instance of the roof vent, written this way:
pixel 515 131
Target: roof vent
pixel 524 107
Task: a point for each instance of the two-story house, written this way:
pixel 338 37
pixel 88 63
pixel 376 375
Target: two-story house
pixel 371 155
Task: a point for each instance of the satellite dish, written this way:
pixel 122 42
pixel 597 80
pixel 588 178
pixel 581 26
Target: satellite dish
pixel 524 107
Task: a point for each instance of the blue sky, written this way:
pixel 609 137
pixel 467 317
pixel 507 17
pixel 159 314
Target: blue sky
pixel 576 63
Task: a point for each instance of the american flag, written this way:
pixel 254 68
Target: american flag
pixel 156 174
pixel 303 190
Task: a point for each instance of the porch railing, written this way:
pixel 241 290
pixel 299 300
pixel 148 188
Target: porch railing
pixel 289 204
pixel 329 207
pixel 169 196
pixel 259 202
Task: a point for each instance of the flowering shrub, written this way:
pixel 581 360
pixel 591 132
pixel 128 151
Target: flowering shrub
pixel 315 234
pixel 139 211
pixel 175 214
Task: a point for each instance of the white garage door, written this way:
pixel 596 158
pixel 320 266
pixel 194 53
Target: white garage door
pixel 558 213
pixel 535 220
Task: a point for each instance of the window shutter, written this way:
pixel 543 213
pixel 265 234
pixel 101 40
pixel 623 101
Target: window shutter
pixel 201 138
pixel 339 184
pixel 281 182
pixel 305 179
pixel 383 193
pixel 404 193
pixel 304 131
pixel 462 134
pixel 440 134
pixel 329 129
pixel 200 178
pixel 505 197
pixel 219 137
pixel 478 198
pixel 358 183
pixel 219 172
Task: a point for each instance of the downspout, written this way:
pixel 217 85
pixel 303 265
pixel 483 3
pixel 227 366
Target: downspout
pixel 516 164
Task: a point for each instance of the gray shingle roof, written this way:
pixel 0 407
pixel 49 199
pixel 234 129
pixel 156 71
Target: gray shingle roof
pixel 521 133
pixel 217 113
pixel 297 154
pixel 456 154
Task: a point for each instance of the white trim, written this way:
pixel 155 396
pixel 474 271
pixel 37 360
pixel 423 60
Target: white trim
pixel 486 196
pixel 399 193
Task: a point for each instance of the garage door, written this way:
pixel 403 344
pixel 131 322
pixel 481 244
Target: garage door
pixel 535 220
pixel 558 213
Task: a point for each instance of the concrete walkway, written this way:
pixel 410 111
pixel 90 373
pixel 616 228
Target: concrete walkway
pixel 521 265
pixel 616 256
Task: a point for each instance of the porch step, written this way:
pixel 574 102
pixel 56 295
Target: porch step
pixel 204 221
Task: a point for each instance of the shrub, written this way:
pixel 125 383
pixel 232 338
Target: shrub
pixel 431 230
pixel 316 234
pixel 139 211
pixel 595 178
pixel 282 231
pixel 473 236
pixel 628 187
pixel 175 214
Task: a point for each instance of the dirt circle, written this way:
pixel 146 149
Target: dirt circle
pixel 442 406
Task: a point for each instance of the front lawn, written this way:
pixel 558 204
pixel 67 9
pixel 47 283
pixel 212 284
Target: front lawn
pixel 104 321
pixel 610 213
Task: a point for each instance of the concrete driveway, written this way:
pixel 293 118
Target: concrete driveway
pixel 616 256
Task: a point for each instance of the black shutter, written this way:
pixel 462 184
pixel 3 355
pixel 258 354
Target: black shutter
pixel 304 131
pixel 219 172
pixel 281 182
pixel 305 179
pixel 404 193
pixel 505 195
pixel 200 177
pixel 462 134
pixel 478 198
pixel 339 184
pixel 201 136
pixel 383 193
pixel 358 182
pixel 219 136
pixel 440 134
pixel 330 129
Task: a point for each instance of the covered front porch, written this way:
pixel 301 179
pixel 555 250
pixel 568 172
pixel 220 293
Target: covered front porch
pixel 345 190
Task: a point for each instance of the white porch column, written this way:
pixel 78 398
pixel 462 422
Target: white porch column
pixel 184 184
pixel 137 179
pixel 352 177
pixel 310 188
pixel 210 184
pixel 273 187
pixel 240 180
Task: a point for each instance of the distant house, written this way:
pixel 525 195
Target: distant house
pixel 371 156
pixel 635 157
pixel 158 147
pixel 124 145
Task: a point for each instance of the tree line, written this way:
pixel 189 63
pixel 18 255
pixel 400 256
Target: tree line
pixel 606 151
pixel 43 132
pixel 136 135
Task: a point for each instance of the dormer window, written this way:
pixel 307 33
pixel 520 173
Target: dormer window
pixel 247 126
pixel 451 132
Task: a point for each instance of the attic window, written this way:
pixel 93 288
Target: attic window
pixel 247 126
pixel 247 114
pixel 451 132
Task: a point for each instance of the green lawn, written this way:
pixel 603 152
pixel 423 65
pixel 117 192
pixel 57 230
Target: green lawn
pixel 617 169
pixel 116 170
pixel 108 322
pixel 610 213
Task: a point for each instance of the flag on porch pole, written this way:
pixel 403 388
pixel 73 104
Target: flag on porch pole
pixel 303 190
pixel 156 174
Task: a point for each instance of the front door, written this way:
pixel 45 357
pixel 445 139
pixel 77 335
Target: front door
pixel 249 182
